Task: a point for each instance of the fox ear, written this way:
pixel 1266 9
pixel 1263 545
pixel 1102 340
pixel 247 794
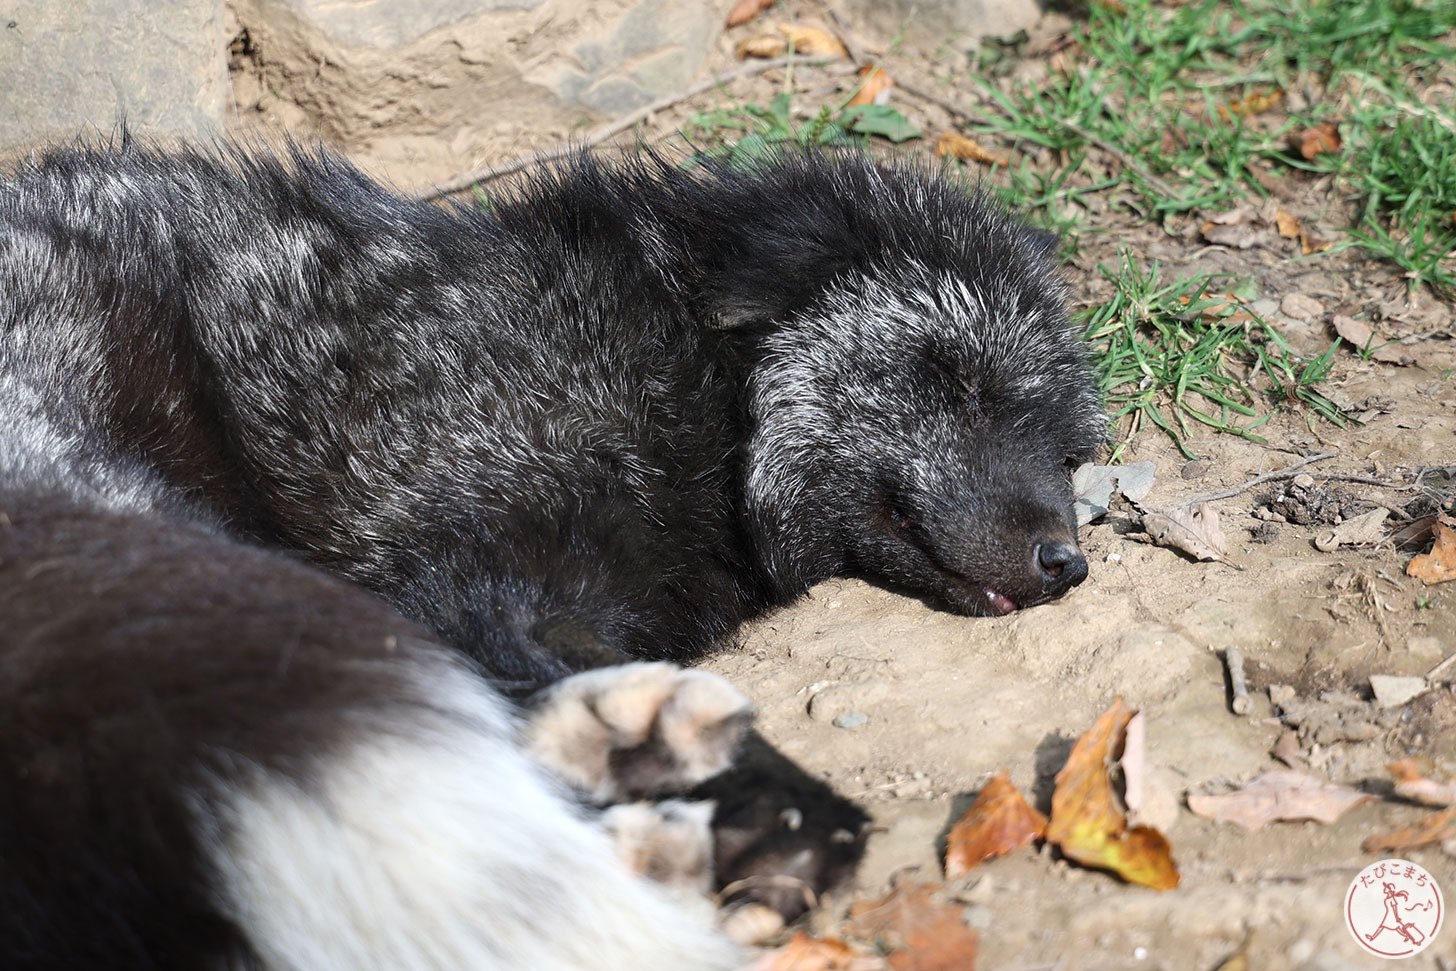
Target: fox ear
pixel 1044 242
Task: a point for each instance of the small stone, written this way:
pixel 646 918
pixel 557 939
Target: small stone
pixel 851 720
pixel 1303 481
pixel 1281 695
pixel 1195 469
pixel 1392 692
pixel 1301 306
pixel 1286 749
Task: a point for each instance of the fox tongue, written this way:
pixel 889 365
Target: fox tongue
pixel 1000 603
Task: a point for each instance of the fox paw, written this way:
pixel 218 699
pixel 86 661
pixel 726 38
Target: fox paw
pixel 633 731
pixel 670 843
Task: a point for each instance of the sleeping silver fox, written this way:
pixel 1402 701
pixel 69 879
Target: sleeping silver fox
pixel 344 538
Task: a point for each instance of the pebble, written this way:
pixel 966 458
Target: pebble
pixel 851 720
pixel 1392 692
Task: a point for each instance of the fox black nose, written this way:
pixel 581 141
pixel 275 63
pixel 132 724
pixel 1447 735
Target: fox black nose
pixel 1062 566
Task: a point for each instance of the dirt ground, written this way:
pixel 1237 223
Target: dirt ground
pixel 947 700
pixel 950 700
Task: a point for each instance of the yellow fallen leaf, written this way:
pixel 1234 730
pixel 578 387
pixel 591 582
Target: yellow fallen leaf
pixel 1254 103
pixel 813 41
pixel 954 143
pixel 999 821
pixel 1087 823
pixel 764 45
pixel 874 85
pixel 1288 225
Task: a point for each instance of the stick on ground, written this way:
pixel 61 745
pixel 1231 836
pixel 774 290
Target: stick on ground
pixel 470 180
pixel 1238 687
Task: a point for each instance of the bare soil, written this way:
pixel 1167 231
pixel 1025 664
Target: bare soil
pixel 948 700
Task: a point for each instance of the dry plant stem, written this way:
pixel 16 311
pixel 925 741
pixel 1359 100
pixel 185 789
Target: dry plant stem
pixel 1288 472
pixel 1238 687
pixel 469 181
pixel 1440 669
pixel 1126 160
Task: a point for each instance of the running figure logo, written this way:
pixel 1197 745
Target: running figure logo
pixel 1394 909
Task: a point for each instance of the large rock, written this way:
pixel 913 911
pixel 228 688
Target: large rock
pixel 392 82
pixel 944 21
pixel 70 65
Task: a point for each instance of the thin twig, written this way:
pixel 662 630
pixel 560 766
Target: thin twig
pixel 1127 160
pixel 606 132
pixel 1371 480
pixel 1288 472
pixel 1238 686
pixel 961 111
pixel 966 114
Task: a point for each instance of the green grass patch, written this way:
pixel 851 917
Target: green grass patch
pixel 1192 99
pixel 746 133
pixel 1190 352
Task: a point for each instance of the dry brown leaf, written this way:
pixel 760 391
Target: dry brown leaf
pixel 805 953
pixel 1233 217
pixel 920 934
pixel 1087 823
pixel 874 87
pixel 999 821
pixel 1435 828
pixel 954 143
pixel 1278 795
pixel 1256 102
pixel 1311 244
pixel 1319 140
pixel 813 41
pixel 1194 529
pixel 1411 783
pixel 1236 235
pixel 764 45
pixel 1290 228
pixel 1288 225
pixel 1414 532
pixel 745 10
pixel 1362 336
pixel 1363 530
pixel 1439 565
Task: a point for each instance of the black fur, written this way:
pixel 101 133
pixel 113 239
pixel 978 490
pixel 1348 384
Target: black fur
pixel 612 418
